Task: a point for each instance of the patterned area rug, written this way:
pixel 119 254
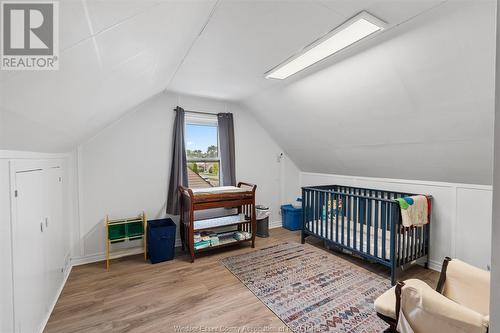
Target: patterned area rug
pixel 311 290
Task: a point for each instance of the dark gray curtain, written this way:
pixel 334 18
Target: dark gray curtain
pixel 178 170
pixel 226 149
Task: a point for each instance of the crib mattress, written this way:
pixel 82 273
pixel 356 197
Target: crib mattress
pixel 323 229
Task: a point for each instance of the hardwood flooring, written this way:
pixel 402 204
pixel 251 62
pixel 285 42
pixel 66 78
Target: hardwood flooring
pixel 175 296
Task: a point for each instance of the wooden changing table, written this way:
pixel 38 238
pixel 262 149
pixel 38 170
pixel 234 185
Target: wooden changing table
pixel 241 197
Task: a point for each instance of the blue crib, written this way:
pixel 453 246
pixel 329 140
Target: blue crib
pixel 364 222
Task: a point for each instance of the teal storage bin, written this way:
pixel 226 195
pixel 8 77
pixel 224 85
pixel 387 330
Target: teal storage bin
pixel 291 217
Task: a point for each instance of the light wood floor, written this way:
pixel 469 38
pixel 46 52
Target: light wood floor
pixel 139 297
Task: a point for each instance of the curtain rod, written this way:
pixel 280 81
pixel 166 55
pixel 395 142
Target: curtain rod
pixel 199 112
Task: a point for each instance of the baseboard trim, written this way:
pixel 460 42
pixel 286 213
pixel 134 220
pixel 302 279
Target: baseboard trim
pixel 88 259
pixel 435 265
pixel 275 224
pixel 96 257
pixel 53 305
pixel 92 258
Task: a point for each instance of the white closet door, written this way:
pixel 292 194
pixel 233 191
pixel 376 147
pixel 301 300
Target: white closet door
pixel 54 227
pixel 28 245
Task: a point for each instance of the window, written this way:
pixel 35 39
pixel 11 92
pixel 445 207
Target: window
pixel 202 142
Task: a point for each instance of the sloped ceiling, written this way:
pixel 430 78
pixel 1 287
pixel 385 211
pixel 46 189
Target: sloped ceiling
pixel 244 39
pixel 114 55
pixel 418 103
pixel 414 102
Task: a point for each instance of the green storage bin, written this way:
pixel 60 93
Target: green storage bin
pixel 116 231
pixel 135 229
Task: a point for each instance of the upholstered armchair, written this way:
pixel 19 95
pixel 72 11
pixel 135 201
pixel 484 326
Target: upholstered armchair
pixel 460 303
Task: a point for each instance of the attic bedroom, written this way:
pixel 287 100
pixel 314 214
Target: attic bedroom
pixel 249 166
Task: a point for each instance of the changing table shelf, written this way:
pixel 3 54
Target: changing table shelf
pixel 218 222
pixel 229 243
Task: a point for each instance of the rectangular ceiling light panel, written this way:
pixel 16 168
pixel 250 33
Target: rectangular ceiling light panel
pixel 350 32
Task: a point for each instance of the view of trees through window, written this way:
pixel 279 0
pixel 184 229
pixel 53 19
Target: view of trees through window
pixel 202 155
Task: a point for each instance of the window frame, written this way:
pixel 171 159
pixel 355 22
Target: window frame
pixel 203 120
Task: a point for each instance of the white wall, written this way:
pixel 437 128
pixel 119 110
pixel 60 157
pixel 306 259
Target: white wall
pixel 461 214
pixel 124 169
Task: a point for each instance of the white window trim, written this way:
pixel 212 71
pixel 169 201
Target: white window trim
pixel 204 120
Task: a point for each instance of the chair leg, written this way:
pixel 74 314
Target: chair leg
pixel 391 322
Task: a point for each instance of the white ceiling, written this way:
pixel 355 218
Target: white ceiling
pixel 417 104
pixel 114 55
pixel 419 93
pixel 244 39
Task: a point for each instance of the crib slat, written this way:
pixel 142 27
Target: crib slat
pixel 413 244
pixel 375 229
pixel 408 244
pixel 321 203
pixel 349 217
pixel 333 221
pixel 322 211
pixel 313 211
pixel 399 251
pixel 408 249
pixel 344 207
pixel 306 208
pixel 420 242
pixel 328 216
pixel 324 215
pixel 318 214
pixel 383 216
pixel 404 248
pixel 355 221
pixel 314 221
pixel 398 238
pixel 362 222
pixel 310 217
pixel 336 217
pixel 417 246
pixel 409 256
pixel 369 226
pixel 403 244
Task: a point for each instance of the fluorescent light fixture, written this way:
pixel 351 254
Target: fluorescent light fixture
pixel 348 33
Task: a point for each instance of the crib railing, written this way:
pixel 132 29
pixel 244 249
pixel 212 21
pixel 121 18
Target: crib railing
pixel 365 222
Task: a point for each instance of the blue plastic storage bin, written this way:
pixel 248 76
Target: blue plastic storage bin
pixel 161 240
pixel 292 217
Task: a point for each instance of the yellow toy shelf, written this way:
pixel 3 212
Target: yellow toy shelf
pixel 125 229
